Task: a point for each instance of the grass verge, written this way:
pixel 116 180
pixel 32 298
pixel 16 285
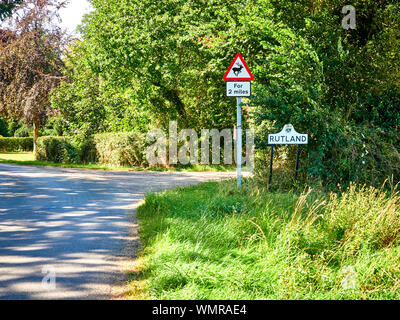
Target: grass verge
pixel 213 241
pixel 17 156
pixel 27 158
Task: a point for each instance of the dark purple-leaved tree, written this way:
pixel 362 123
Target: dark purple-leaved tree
pixel 31 45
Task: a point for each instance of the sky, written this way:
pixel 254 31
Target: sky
pixel 72 15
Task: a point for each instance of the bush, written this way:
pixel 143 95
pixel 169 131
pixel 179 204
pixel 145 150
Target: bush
pixel 120 149
pixel 23 131
pixel 340 151
pixel 57 149
pixel 12 127
pixel 116 149
pixel 356 153
pixel 3 128
pixel 16 144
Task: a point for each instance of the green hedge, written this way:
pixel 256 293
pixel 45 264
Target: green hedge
pixel 16 144
pixel 57 149
pixel 116 149
pixel 120 149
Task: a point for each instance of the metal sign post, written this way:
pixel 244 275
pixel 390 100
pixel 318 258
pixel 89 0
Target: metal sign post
pixel 297 160
pixel 239 141
pixel 270 167
pixel 238 77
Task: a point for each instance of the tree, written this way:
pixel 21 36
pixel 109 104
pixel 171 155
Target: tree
pixel 89 103
pixel 30 61
pixel 168 58
pixel 354 124
pixel 7 7
pixel 171 52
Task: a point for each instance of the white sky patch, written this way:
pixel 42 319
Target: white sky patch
pixel 72 14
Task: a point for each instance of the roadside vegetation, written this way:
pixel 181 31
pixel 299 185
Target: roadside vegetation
pixel 139 64
pixel 214 241
pixel 27 158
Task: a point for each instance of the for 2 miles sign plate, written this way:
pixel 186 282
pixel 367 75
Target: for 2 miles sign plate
pixel 238 89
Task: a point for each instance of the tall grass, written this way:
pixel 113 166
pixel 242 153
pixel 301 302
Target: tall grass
pixel 214 241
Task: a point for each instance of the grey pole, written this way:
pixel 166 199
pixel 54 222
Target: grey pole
pixel 239 142
pixel 297 160
pixel 270 167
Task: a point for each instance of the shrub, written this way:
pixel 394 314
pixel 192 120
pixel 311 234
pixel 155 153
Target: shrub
pixel 57 149
pixel 16 144
pixel 23 131
pixel 3 128
pixel 120 149
pixel 116 149
pixel 12 127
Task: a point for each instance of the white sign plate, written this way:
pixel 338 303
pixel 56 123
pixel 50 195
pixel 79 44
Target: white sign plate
pixel 288 135
pixel 238 89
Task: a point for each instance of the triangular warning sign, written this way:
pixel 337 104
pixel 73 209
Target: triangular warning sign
pixel 238 70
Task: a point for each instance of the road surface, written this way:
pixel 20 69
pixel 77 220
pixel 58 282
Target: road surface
pixel 65 232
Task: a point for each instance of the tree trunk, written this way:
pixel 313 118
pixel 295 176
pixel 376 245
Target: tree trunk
pixel 172 96
pixel 35 135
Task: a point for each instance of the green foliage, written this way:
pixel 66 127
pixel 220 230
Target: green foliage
pixel 12 144
pixel 289 81
pixel 336 87
pixel 214 241
pixel 114 149
pixel 142 64
pixel 23 131
pixel 89 104
pixel 120 149
pixel 172 54
pixel 7 8
pixel 3 128
pixel 12 126
pixel 57 149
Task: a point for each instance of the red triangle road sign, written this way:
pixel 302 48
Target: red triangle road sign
pixel 238 70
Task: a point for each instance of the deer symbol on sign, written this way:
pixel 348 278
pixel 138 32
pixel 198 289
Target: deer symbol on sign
pixel 236 71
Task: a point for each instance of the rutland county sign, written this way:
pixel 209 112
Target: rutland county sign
pixel 288 135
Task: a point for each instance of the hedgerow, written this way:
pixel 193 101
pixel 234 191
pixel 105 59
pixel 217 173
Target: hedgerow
pixel 115 149
pixel 120 149
pixel 12 144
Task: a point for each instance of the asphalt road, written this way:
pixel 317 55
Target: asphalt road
pixel 65 232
